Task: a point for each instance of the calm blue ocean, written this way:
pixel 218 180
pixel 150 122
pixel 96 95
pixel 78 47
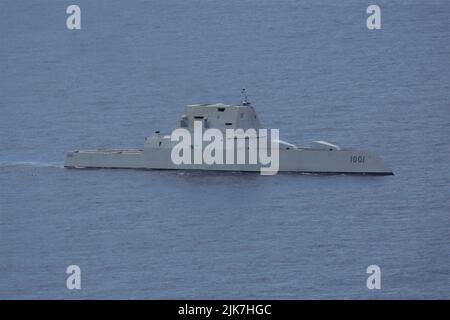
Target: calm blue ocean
pixel 311 69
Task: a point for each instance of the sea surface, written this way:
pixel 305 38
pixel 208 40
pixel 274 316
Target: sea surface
pixel 311 69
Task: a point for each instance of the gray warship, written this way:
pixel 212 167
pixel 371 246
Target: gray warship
pixel 319 157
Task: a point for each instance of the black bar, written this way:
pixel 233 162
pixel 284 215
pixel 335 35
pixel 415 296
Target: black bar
pixel 227 309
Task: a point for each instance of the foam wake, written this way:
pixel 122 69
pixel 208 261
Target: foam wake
pixel 31 164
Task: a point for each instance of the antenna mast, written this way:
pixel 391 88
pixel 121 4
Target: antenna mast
pixel 245 101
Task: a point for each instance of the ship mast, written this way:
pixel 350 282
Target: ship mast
pixel 244 101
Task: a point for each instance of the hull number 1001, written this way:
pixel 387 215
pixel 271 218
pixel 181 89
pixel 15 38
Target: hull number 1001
pixel 357 159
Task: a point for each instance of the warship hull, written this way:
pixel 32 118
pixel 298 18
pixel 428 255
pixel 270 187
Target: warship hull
pixel 293 160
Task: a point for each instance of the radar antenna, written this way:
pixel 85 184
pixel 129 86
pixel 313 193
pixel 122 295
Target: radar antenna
pixel 245 101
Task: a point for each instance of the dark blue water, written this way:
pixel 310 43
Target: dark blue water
pixel 311 68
